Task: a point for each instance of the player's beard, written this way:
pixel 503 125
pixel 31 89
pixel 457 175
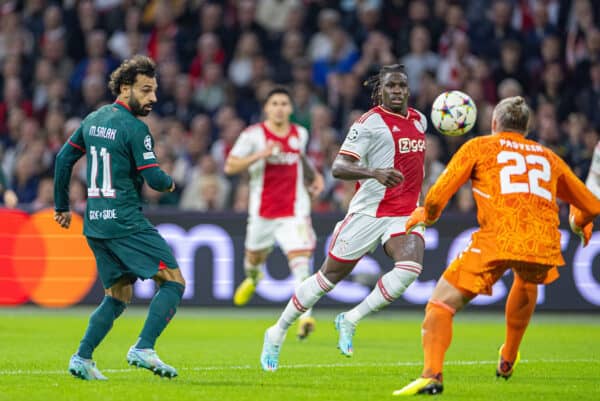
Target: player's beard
pixel 136 107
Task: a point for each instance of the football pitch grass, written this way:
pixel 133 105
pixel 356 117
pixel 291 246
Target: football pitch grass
pixel 217 354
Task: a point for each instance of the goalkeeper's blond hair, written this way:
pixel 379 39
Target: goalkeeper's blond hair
pixel 512 115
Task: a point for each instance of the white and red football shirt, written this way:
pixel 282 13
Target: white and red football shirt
pixel 593 178
pixel 277 182
pixel 382 139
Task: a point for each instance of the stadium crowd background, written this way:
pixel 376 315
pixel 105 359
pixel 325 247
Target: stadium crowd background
pixel 217 60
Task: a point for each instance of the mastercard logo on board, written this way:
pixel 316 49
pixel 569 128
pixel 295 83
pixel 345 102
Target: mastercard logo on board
pixel 41 262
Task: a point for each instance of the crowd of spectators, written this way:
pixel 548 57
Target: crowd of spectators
pixel 217 59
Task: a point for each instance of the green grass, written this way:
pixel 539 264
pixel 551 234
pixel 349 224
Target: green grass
pixel 217 351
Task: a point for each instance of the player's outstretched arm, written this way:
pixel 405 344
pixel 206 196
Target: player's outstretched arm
pixel 457 173
pixel 158 180
pixel 346 167
pixel 312 178
pixel 235 164
pixel 65 160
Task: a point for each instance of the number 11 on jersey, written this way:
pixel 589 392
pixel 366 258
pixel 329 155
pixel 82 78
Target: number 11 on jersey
pixel 107 190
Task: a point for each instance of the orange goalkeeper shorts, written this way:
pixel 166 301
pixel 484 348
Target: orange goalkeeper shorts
pixel 470 273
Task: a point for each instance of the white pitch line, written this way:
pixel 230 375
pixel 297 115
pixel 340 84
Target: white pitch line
pixel 304 366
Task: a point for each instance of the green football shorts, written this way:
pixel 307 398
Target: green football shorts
pixel 140 255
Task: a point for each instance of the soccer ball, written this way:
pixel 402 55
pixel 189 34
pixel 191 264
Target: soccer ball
pixel 453 113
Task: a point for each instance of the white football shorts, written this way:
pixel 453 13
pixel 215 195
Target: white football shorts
pixel 359 234
pixel 291 234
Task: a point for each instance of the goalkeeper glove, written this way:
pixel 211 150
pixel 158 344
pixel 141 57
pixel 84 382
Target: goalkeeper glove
pixel 584 233
pixel 418 218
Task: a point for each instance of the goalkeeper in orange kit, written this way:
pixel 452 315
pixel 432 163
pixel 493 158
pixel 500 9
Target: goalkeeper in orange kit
pixel 516 183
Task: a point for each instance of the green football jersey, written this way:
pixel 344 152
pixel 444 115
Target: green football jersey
pixel 118 147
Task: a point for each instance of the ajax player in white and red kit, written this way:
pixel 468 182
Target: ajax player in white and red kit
pixel 279 205
pixel 384 150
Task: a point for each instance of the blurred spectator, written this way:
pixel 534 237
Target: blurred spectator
pixel 582 73
pixel 418 13
pixel 97 61
pixel 588 99
pixel 376 52
pixel 420 58
pixel 341 59
pixel 346 94
pixel 26 178
pixel 542 28
pixel 246 23
pixel 547 130
pixel 580 25
pixel 241 197
pixel 44 198
pixel 453 70
pixel 128 40
pixel 9 198
pixel 81 22
pixel 433 166
pixel 208 50
pixel 454 19
pixel 13 97
pixel 210 91
pixel 369 16
pixel 181 105
pixel 509 87
pixel 77 195
pixel 321 44
pixel 511 64
pixel 273 15
pixel 208 190
pixel 240 70
pixel 292 49
pixel 555 90
pixel 488 35
pixel 304 100
pixel 93 93
pixel 230 130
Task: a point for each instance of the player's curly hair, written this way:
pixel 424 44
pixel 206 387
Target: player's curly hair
pixel 129 69
pixel 513 114
pixel 375 80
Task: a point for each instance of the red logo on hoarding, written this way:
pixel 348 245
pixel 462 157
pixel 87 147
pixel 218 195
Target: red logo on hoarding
pixel 41 262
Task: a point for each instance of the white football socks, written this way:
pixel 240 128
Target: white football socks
pixel 300 267
pixel 389 287
pixel 306 295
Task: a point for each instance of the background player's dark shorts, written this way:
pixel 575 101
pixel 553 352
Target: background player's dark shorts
pixel 139 255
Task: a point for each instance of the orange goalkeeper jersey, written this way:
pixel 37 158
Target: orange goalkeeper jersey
pixel 515 184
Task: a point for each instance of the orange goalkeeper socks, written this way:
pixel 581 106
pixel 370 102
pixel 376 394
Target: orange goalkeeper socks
pixel 436 337
pixel 519 308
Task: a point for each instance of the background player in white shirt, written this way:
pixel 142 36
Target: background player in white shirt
pixel 384 150
pixel 593 178
pixel 281 182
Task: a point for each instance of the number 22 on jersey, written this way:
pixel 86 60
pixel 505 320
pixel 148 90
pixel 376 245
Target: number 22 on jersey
pixel 106 189
pixel 536 167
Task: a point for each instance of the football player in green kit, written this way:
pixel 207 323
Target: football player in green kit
pixel 120 156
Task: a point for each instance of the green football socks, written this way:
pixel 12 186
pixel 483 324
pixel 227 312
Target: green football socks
pixel 162 309
pixel 101 321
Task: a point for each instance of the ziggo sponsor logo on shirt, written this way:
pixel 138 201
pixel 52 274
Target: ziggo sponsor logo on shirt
pixel 406 145
pixel 41 262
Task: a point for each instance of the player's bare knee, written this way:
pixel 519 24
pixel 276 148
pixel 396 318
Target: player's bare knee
pixel 406 247
pixel 121 291
pixel 336 271
pixel 169 275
